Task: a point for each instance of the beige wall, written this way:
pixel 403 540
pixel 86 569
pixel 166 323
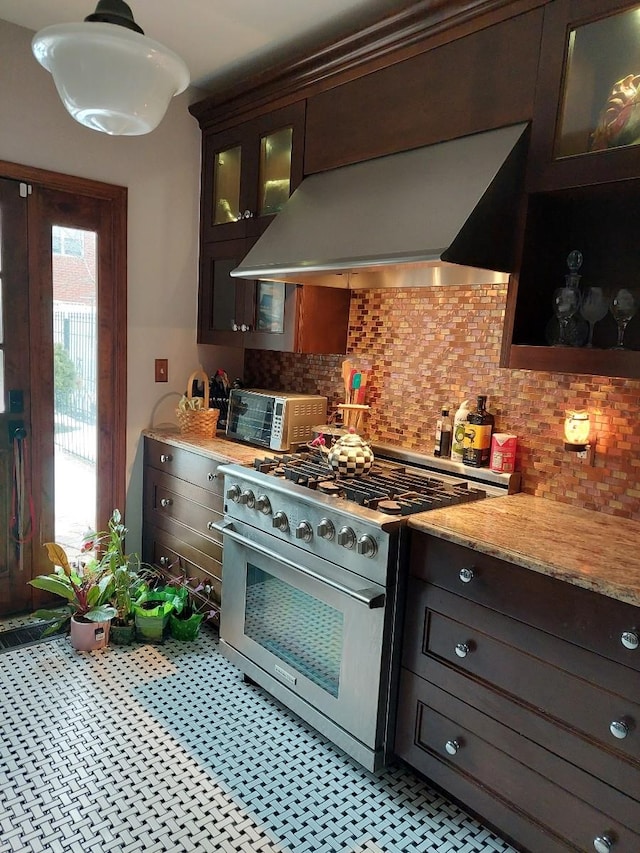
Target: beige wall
pixel 161 172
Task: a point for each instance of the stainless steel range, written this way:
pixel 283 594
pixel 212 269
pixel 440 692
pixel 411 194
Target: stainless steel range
pixel 312 581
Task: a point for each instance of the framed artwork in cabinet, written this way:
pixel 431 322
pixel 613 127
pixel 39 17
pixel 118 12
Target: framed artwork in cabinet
pixel 270 300
pixel 586 126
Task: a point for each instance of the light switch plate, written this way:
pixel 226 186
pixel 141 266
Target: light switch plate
pixel 162 369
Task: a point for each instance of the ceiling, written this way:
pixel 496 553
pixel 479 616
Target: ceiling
pixel 222 39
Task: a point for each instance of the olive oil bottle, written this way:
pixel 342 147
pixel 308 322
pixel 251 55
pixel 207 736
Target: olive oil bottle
pixel 477 440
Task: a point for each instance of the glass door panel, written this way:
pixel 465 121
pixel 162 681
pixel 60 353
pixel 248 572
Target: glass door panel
pixel 275 170
pixel 226 185
pixel 75 335
pixel 600 104
pixel 301 630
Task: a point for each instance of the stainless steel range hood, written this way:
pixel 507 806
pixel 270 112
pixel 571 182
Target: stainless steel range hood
pixel 443 214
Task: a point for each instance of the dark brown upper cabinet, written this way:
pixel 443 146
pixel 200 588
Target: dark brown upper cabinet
pixel 583 184
pixel 249 171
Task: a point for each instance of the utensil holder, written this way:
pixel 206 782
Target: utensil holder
pixel 353 415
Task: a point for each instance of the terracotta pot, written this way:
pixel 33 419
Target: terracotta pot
pixel 87 636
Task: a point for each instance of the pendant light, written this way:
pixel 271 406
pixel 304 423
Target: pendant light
pixel 110 76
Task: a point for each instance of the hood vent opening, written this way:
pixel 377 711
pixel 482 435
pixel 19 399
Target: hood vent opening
pixel 438 215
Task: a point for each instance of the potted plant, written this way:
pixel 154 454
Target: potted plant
pixel 152 609
pixel 86 587
pixel 184 624
pixel 129 577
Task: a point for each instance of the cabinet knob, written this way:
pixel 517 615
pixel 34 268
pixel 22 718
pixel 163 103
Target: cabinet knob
pixel 619 729
pixel 466 575
pixel 244 327
pixel 211 525
pixel 164 562
pixel 462 649
pixel 166 457
pixel 603 843
pixel 630 639
pixel 452 746
pixel 211 477
pixel 248 214
pixel 165 502
pixel 234 326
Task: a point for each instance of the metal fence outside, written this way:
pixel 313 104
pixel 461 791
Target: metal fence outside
pixel 75 381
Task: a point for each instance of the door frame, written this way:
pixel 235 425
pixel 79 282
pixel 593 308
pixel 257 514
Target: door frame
pixel 112 346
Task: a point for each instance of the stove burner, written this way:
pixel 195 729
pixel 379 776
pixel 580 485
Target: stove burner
pixel 390 507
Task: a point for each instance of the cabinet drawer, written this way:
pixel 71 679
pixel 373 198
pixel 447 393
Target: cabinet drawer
pixel 174 505
pixel 200 470
pixel 536 669
pixel 435 728
pixel 579 616
pixel 175 557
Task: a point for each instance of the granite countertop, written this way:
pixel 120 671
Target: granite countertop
pixel 589 549
pixel 217 448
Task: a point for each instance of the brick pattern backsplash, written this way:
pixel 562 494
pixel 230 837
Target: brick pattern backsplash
pixel 427 348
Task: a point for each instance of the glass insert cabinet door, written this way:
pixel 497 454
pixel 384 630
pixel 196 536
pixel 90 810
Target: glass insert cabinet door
pixel 600 97
pixel 275 170
pixel 226 182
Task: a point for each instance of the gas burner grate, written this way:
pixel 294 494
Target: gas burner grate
pixel 387 487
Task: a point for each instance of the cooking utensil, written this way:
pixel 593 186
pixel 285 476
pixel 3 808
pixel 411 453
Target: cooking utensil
pixel 362 390
pixel 347 367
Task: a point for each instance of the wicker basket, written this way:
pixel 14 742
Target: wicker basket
pixel 200 423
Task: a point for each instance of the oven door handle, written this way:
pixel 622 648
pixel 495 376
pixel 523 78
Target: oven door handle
pixel 370 596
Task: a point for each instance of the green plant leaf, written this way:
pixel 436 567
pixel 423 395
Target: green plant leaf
pixel 57 584
pixel 101 614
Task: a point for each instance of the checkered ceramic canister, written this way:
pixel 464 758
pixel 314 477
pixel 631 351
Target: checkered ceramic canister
pixel 351 455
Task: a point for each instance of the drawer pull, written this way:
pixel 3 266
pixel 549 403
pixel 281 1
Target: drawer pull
pixel 619 729
pixel 630 640
pixel 165 502
pixel 462 649
pixel 603 843
pixel 466 575
pixel 452 746
pixel 211 525
pixel 166 457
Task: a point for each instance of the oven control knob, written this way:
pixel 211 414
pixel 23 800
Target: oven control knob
pixel 263 504
pixel 367 546
pixel 304 531
pixel 234 493
pixel 325 529
pixel 280 521
pixel 247 497
pixel 346 537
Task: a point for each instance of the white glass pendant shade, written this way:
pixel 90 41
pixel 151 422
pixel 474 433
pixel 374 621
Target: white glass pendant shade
pixel 111 78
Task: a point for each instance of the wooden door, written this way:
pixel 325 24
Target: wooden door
pixel 56 201
pixel 15 415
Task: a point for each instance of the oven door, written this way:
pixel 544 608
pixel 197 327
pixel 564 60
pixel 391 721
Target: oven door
pixel 308 631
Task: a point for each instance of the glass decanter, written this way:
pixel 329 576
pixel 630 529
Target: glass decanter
pixel 566 300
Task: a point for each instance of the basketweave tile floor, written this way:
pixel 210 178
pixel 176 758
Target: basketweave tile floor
pixel 165 749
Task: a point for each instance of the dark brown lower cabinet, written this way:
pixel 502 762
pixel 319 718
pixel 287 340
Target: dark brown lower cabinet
pixel 183 498
pixel 534 729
